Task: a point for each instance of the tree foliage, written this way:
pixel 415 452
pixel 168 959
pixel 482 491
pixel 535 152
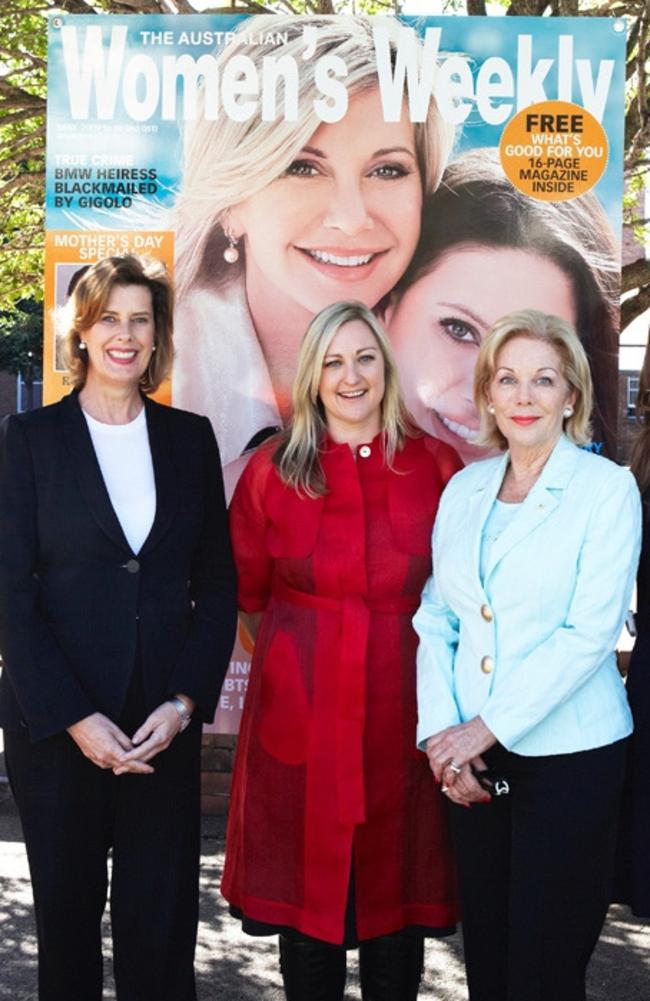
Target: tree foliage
pixel 21 340
pixel 23 86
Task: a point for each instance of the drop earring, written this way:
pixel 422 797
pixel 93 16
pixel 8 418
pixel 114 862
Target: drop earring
pixel 231 254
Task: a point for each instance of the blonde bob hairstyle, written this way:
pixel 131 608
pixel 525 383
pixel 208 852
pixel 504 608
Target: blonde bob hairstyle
pixel 226 162
pixel 89 299
pixel 297 457
pixel 561 336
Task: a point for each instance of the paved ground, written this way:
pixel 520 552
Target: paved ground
pixel 234 968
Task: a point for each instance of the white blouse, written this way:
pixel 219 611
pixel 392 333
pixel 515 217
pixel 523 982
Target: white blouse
pixel 124 457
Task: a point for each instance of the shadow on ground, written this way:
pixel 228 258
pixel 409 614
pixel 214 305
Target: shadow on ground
pixel 232 967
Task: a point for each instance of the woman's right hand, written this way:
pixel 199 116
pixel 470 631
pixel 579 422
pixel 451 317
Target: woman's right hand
pixel 463 787
pixel 102 742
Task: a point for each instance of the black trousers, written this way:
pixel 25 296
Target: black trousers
pixel 535 873
pixel 72 813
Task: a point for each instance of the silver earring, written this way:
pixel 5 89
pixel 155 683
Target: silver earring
pixel 567 412
pixel 231 254
pixel 491 408
pixel 82 345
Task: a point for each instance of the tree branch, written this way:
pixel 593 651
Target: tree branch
pixel 20 179
pixel 28 57
pixel 527 8
pixel 19 116
pixel 635 274
pixel 635 306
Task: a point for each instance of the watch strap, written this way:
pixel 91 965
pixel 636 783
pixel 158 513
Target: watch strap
pixel 183 712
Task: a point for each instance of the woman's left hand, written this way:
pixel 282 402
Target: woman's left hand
pixel 457 745
pixel 155 734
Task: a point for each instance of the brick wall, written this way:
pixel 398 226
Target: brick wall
pixel 217 753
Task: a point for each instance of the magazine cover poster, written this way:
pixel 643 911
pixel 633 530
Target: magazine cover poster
pixel 444 171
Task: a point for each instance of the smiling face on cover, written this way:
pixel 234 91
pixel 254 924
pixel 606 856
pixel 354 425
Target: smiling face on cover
pixel 119 344
pixel 352 383
pixel 342 222
pixel 529 393
pixel 440 321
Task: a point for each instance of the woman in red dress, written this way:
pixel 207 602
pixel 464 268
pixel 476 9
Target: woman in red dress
pixel 337 834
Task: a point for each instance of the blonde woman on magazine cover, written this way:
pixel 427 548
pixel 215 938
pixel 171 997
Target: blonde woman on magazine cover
pixel 277 219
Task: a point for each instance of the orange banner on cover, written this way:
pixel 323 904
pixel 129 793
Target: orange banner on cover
pixel 67 252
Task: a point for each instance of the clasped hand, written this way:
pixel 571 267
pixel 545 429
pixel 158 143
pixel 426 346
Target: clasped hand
pixel 463 745
pixel 107 746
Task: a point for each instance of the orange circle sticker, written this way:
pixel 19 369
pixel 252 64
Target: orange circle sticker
pixel 554 151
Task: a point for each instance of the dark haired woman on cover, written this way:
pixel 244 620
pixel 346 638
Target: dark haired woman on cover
pixel 337 836
pixel 487 250
pixel 117 615
pixel 635 845
pixel 534 556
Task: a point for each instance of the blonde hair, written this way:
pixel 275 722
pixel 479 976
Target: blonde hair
pixel 561 336
pixel 297 457
pixel 228 161
pixel 88 301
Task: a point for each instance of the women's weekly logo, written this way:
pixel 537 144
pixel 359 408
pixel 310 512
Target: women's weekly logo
pixel 105 77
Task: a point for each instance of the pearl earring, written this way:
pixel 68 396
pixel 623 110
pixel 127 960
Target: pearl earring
pixel 82 345
pixel 153 348
pixel 491 408
pixel 567 412
pixel 231 254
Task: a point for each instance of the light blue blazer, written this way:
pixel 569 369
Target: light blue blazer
pixel 531 647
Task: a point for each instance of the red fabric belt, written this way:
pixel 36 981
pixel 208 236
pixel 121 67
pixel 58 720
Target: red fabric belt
pixel 406 605
pixel 355 611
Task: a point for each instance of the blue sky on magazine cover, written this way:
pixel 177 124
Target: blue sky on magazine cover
pixel 158 144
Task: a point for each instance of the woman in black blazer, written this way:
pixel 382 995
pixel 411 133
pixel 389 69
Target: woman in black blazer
pixel 117 618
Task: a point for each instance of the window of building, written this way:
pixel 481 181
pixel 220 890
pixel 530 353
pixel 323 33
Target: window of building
pixel 632 391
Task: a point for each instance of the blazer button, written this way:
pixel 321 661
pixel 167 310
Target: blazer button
pixel 486 612
pixel 132 566
pixel 487 665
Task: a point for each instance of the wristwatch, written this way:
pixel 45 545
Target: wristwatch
pixel 183 712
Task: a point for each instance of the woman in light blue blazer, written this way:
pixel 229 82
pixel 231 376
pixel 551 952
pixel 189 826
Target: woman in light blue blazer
pixel 521 708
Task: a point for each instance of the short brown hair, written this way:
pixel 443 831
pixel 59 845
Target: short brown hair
pixel 88 301
pixel 575 368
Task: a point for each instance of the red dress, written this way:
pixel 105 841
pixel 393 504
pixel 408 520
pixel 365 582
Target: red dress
pixel 328 780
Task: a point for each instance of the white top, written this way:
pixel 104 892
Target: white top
pixel 500 516
pixel 219 367
pixel 124 457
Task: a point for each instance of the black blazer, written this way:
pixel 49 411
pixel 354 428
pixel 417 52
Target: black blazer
pixel 76 604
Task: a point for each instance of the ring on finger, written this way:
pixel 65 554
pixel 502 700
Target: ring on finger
pixel 453 767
